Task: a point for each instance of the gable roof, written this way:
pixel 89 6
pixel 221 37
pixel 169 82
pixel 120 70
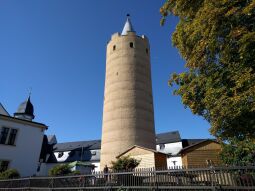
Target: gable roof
pixel 168 137
pixel 52 139
pixel 137 146
pixel 198 143
pixel 189 142
pixel 3 111
pixel 69 146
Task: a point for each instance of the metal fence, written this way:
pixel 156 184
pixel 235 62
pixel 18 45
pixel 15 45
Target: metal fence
pixel 209 178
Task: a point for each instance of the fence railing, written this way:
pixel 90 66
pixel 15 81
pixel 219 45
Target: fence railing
pixel 209 178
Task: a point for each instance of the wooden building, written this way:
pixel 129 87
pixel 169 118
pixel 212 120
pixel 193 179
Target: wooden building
pixel 149 158
pixel 205 152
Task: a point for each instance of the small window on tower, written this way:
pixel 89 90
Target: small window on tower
pixel 131 45
pixel 147 51
pixel 114 47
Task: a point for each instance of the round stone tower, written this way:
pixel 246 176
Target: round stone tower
pixel 128 116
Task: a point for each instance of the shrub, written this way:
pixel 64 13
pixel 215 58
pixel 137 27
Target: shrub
pixel 122 189
pixel 60 170
pixel 9 174
pixel 76 172
pixel 125 163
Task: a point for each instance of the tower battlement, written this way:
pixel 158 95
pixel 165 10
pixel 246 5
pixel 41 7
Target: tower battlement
pixel 118 35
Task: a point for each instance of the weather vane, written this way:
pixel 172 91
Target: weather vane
pixel 29 91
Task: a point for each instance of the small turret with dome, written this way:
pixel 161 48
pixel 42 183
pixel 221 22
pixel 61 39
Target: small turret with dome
pixel 25 110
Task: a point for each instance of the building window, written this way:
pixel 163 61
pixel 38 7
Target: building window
pixel 8 136
pixel 161 146
pixel 60 154
pixel 4 135
pixel 147 51
pixel 131 45
pixel 4 165
pixel 12 136
pixel 114 47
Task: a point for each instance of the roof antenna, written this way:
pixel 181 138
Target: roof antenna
pixel 29 91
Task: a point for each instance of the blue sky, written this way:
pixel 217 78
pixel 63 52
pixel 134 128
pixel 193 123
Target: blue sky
pixel 58 47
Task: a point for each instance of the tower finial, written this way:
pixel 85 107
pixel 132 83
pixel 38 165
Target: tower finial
pixel 128 26
pixel 29 91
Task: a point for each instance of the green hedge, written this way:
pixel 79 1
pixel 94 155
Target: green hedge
pixel 9 174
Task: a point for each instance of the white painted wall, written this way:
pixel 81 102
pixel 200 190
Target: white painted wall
pixel 24 156
pixel 171 160
pixel 173 149
pixel 62 158
pixel 170 148
pixel 44 169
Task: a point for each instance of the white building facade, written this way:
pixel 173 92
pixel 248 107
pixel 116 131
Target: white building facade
pixel 172 150
pixel 20 142
pixel 170 143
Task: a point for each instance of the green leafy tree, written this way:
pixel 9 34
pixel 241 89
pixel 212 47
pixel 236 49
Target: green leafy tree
pixel 125 163
pixel 60 170
pixel 238 152
pixel 216 38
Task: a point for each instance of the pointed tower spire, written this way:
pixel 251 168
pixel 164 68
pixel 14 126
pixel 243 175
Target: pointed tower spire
pixel 128 26
pixel 25 110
